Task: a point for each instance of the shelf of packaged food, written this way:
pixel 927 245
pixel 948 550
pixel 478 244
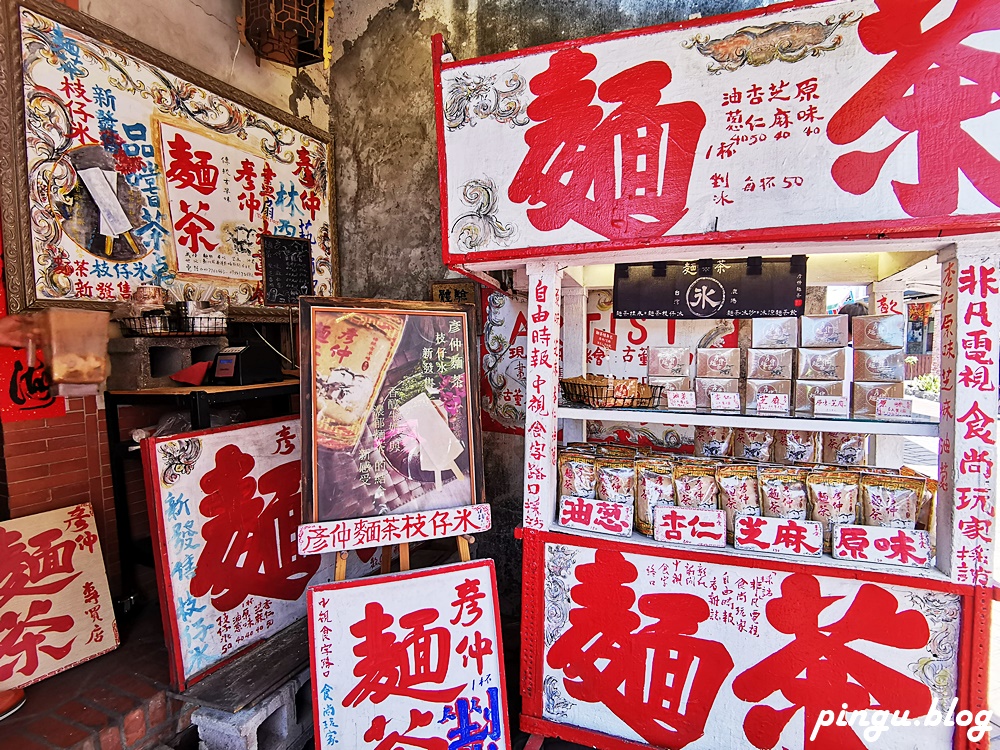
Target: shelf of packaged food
pixel 916 425
pixel 765 559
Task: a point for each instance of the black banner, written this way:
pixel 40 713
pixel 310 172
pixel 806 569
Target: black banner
pixel 693 290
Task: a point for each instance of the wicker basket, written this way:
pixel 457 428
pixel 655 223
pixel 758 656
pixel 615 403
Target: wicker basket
pixel 611 393
pixel 172 325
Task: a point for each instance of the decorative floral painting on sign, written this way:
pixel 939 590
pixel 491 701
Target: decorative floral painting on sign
pixel 410 660
pixel 55 607
pixel 140 177
pixel 225 505
pixel 681 653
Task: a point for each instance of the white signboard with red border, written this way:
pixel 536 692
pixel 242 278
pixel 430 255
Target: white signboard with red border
pixel 883 544
pixel 689 526
pixel 781 536
pixel 846 120
pixel 409 660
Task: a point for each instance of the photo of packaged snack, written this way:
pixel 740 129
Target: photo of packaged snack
pixel 616 480
pixel 833 498
pixel 806 392
pixel 577 475
pixel 705 387
pixel 795 446
pixel 890 501
pixel 655 486
pixel 770 364
pixel 752 444
pixel 783 492
pixel 774 333
pixel 713 441
pixel 845 448
pixel 669 361
pixel 822 364
pixel 879 331
pixel 823 331
pixel 866 396
pixel 718 363
pixel 738 494
pixel 695 486
pixel 886 365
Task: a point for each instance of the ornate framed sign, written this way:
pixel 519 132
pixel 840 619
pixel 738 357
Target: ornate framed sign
pixel 412 659
pixel 127 167
pixel 55 607
pixel 224 512
pixel 391 410
pixel 801 121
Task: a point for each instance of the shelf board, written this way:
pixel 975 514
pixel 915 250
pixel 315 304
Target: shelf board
pixel 764 558
pixel 924 427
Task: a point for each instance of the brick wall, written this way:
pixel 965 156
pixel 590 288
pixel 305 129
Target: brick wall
pixel 56 462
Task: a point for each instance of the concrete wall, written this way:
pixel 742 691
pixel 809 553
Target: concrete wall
pixel 203 34
pixel 388 209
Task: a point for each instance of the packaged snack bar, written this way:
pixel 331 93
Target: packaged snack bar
pixel 833 498
pixel 718 363
pixel 845 448
pixel 866 396
pixel 891 501
pixel 822 364
pixel 695 486
pixel 775 333
pixel 655 486
pixel 885 365
pixel 879 331
pixel 669 361
pixel 616 480
pixel 770 364
pixel 713 441
pixel 806 392
pixel 577 474
pixel 738 493
pixel 795 446
pixel 705 387
pixel 823 331
pixel 751 444
pixel 783 492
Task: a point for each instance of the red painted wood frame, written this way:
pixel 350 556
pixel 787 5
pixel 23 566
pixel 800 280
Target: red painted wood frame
pixel 973 646
pixel 887 229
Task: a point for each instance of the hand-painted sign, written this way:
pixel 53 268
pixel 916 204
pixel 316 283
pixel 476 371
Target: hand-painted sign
pixel 882 544
pixel 409 660
pixel 225 506
pixel 809 122
pixel 55 607
pixel 140 177
pixel 704 655
pixel 782 536
pixel 689 526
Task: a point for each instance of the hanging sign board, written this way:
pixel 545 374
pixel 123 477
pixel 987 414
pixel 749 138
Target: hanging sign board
pixel 804 122
pixel 750 288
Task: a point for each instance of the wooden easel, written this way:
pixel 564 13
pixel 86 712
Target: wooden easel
pixel 340 570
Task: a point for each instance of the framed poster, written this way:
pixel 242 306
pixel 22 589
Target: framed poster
pixel 128 167
pixel 409 660
pixel 392 408
pixel 224 509
pixel 55 607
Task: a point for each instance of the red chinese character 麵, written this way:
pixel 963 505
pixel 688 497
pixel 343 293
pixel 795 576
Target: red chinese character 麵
pixel 636 161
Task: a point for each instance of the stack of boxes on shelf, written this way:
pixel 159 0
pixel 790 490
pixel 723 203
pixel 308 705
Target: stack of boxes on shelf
pixel 670 369
pixel 822 354
pixel 717 371
pixel 771 358
pixel 879 366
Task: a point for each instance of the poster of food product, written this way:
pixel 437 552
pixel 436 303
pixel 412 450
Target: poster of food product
pixel 140 176
pixel 391 401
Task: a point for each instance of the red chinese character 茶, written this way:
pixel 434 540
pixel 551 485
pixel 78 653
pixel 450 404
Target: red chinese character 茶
pixel 26 637
pixel 818 670
pixel 192 225
pixel 606 172
pixel 950 82
pixel 661 680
